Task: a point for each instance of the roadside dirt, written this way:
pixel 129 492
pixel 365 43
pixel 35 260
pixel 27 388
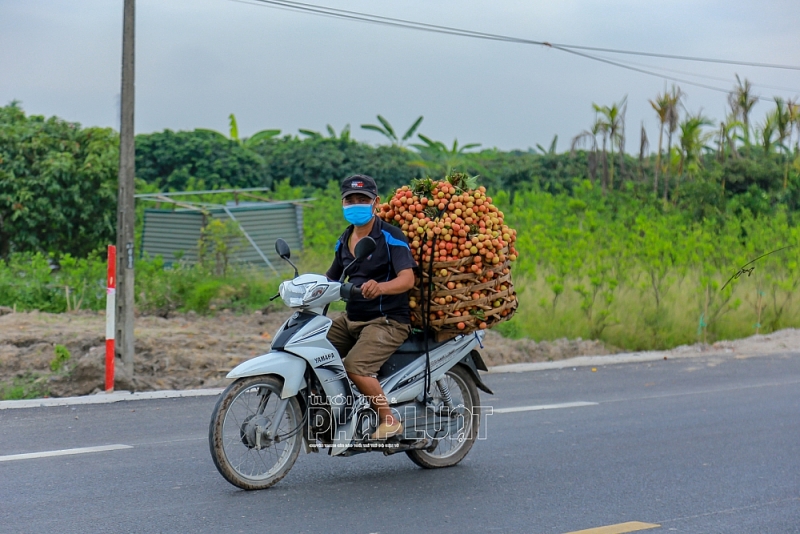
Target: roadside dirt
pixel 189 351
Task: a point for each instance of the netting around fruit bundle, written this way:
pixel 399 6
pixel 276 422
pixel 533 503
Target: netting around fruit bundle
pixel 486 296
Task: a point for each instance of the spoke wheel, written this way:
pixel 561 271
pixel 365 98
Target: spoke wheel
pixel 452 448
pixel 242 447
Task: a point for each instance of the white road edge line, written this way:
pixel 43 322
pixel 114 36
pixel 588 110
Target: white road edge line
pixel 106 398
pixel 613 359
pixel 544 407
pixel 63 452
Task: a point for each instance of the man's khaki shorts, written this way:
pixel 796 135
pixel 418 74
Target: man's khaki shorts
pixel 366 345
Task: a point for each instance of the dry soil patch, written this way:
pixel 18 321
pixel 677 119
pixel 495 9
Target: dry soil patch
pixel 189 351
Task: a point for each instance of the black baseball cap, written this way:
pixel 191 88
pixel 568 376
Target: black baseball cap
pixel 359 183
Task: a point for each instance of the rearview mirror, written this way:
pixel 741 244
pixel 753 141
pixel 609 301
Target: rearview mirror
pixel 282 248
pixel 365 247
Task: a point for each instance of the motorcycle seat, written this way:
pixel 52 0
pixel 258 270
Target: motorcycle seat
pixel 411 349
pixel 416 343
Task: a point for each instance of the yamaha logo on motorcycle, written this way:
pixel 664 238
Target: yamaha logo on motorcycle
pixel 325 358
pixel 298 395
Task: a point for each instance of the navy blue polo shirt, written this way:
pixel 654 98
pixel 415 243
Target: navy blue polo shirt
pixel 391 256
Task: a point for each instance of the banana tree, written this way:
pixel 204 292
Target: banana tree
pixel 387 131
pixel 248 142
pixel 550 151
pixel 436 156
pixel 344 135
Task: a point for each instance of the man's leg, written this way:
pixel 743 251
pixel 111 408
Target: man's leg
pixel 370 387
pixel 377 340
pixel 340 337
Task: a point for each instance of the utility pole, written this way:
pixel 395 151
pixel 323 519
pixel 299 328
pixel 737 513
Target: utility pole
pixel 125 198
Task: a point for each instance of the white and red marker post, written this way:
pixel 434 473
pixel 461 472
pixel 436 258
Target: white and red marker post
pixel 111 291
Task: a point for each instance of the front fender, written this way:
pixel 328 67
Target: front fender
pixel 287 366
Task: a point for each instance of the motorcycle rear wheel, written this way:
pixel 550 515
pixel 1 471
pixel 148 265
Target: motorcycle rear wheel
pixel 242 451
pixel 450 450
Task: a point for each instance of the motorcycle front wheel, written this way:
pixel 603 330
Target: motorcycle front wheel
pixel 244 449
pixel 452 448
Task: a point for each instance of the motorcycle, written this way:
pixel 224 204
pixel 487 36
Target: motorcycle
pixel 298 394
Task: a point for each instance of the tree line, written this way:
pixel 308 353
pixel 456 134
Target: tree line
pixel 58 179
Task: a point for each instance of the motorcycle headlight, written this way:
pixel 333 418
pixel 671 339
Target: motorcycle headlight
pixel 314 292
pixel 293 294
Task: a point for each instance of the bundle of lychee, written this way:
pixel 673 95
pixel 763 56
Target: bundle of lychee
pixel 464 250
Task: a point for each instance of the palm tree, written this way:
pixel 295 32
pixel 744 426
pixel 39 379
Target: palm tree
pixel 783 127
pixel 661 107
pixel 673 118
pixel 693 140
pixel 601 127
pixel 793 112
pixel 387 131
pixel 644 145
pixel 589 137
pixel 741 101
pixel 723 136
pixel 795 106
pixel 765 132
pixel 613 124
pixel 234 133
pixel 725 141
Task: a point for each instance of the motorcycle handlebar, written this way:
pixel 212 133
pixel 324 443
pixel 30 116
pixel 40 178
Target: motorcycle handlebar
pixel 349 290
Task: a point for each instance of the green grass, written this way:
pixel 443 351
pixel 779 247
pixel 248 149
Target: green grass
pixel 634 323
pixel 27 387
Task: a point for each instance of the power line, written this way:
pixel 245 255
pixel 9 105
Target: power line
pixel 706 76
pixel 448 30
pixel 650 73
pixel 685 58
pixel 432 28
pixel 637 69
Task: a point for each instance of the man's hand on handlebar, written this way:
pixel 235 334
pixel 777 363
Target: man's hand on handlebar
pixel 371 289
pixel 404 281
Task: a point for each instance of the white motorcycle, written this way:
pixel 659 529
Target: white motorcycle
pixel 298 394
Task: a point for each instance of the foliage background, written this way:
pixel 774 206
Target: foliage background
pixel 57 184
pixel 634 251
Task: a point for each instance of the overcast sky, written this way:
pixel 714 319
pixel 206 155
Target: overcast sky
pixel 200 60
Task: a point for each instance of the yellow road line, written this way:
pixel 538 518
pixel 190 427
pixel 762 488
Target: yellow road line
pixel 619 528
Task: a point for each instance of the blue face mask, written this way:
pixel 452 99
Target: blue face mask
pixel 358 214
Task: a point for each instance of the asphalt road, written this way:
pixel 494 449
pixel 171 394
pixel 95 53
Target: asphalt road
pixel 700 445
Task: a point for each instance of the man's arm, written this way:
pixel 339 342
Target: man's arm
pixel 402 283
pixel 335 271
pixel 336 268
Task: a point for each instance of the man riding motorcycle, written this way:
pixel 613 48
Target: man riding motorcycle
pixel 374 325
